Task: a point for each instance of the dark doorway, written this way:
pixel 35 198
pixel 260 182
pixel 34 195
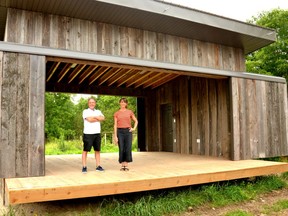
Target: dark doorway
pixel 141 124
pixel 167 127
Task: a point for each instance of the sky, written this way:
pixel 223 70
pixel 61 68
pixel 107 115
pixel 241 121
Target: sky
pixel 242 10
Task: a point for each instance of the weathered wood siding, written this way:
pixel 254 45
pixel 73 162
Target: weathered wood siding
pixel 259 128
pixel 2 192
pixel 201 109
pixel 86 36
pixel 205 125
pixel 22 103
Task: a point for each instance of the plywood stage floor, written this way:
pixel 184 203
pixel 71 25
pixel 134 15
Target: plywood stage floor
pixel 149 171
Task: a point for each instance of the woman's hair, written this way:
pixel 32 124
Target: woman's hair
pixel 124 100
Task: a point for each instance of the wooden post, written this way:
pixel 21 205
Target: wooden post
pixel 22 125
pixel 235 124
pixel 2 193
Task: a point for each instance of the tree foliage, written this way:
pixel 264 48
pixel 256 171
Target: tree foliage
pixel 59 116
pixel 272 59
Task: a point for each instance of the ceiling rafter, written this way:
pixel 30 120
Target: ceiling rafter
pixel 98 74
pixel 156 79
pixel 84 73
pixel 64 71
pixel 107 75
pixel 167 79
pixel 87 73
pixel 74 74
pixel 152 77
pixel 118 76
pixel 52 70
pixel 139 78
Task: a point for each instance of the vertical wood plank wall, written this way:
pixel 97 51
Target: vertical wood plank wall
pixel 259 127
pixel 86 36
pixel 22 115
pixel 251 122
pixel 201 108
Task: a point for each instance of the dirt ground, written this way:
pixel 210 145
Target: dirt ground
pixel 254 207
pixel 80 206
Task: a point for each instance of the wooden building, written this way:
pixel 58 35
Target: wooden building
pixel 186 68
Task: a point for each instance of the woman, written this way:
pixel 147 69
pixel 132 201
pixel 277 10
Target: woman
pixel 123 133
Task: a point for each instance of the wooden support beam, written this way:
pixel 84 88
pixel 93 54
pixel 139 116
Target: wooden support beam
pixel 2 191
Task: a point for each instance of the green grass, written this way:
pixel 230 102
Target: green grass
pixel 276 207
pixel 176 201
pixel 59 146
pixel 268 209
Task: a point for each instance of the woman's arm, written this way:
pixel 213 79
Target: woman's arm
pixel 115 130
pixel 135 123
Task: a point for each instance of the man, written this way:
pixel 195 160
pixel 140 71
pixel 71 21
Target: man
pixel 91 134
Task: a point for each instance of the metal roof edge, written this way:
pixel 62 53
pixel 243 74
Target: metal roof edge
pixel 156 16
pixel 193 15
pixel 46 51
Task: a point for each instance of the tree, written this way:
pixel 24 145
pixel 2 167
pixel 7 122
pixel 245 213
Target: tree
pixel 271 60
pixel 59 116
pixel 78 120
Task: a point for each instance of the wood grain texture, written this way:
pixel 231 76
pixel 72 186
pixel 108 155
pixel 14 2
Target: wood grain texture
pixel 36 156
pixel 87 36
pixel 259 125
pixel 201 111
pixel 22 115
pixel 1 144
pixel 22 84
pixel 149 171
pixel 8 115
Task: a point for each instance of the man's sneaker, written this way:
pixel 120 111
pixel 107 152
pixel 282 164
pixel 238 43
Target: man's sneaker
pixel 84 169
pixel 99 168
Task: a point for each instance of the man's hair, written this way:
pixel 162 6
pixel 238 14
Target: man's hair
pixel 91 98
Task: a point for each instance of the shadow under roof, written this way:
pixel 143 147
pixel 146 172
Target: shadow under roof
pixel 153 15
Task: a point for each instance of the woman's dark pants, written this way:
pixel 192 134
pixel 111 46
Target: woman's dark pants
pixel 125 144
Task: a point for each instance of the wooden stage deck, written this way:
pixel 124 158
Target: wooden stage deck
pixel 149 171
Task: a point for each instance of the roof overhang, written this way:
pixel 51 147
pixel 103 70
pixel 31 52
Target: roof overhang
pixel 126 62
pixel 153 15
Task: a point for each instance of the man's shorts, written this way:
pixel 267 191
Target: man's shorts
pixel 90 140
